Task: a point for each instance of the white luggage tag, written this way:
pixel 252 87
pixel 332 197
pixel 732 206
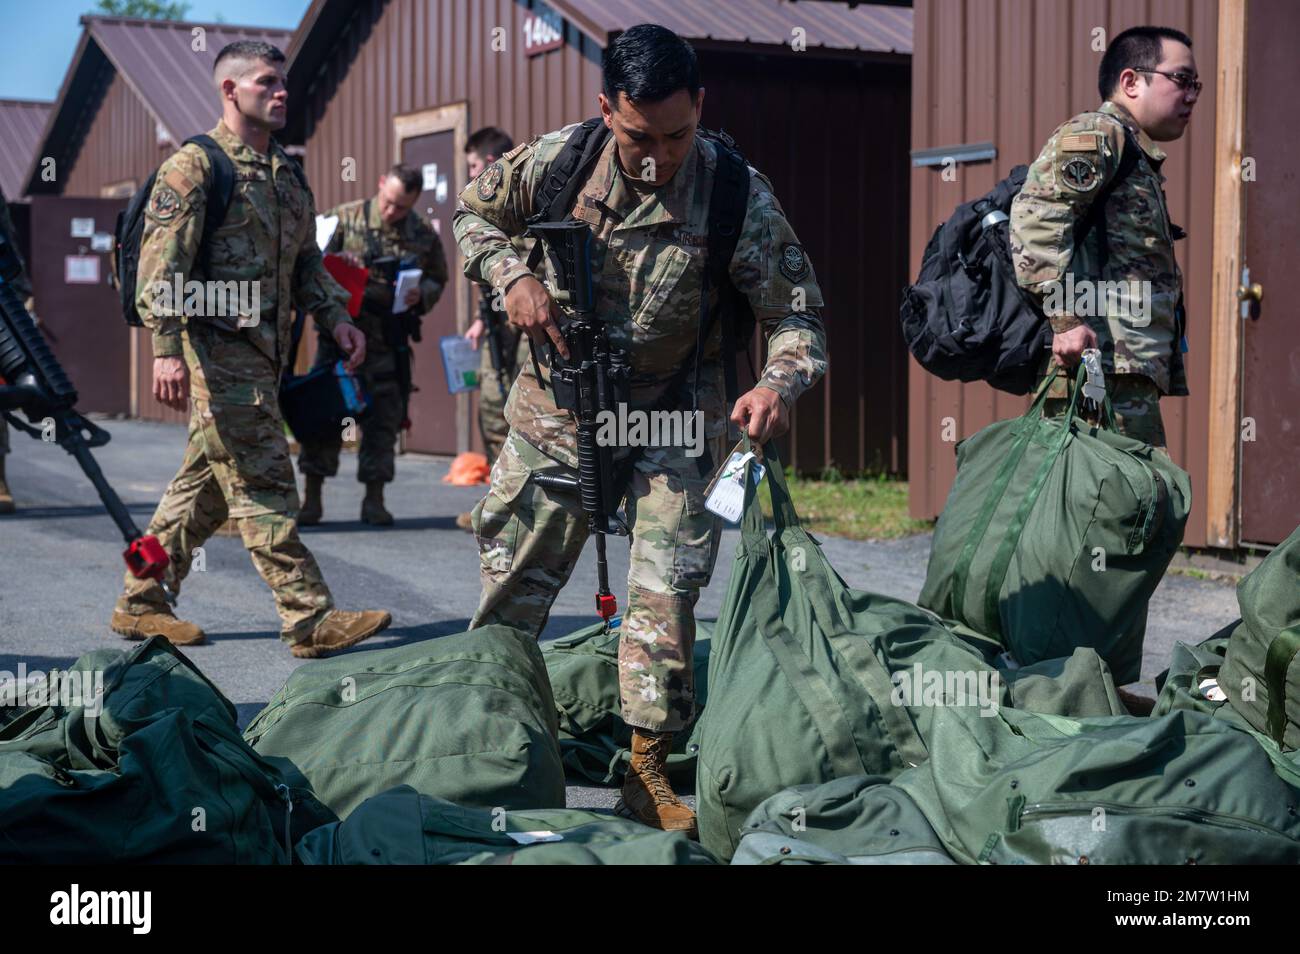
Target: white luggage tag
pixel 726 494
pixel 1094 389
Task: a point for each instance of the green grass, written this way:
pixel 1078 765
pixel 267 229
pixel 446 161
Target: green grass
pixel 859 508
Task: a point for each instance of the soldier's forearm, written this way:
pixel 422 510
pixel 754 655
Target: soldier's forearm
pixel 430 292
pixel 489 256
pixel 167 344
pixel 796 357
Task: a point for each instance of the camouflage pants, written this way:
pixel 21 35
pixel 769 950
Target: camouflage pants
pixel 1134 398
pixel 529 540
pixel 491 402
pixel 237 465
pixel 380 425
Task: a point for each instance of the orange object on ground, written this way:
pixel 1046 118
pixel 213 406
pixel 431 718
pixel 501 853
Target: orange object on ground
pixel 467 469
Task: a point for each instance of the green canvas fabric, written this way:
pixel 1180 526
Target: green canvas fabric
pixel 594 739
pixel 810 680
pixel 403 827
pixel 1261 668
pixel 1037 505
pixel 468 717
pixel 859 820
pixel 1183 788
pixel 155 773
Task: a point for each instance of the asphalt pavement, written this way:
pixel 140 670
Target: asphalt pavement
pixel 61 570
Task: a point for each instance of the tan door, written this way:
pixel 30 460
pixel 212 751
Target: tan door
pixel 437 417
pixel 1270 334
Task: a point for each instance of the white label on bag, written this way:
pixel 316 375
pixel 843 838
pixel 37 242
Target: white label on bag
pixel 533 837
pixel 727 498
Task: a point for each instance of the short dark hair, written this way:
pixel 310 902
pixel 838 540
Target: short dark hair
pixel 490 143
pixel 1137 48
pixel 249 50
pixel 649 63
pixel 411 179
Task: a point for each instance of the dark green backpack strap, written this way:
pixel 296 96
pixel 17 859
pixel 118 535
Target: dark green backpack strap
pixel 219 191
pixel 1277 662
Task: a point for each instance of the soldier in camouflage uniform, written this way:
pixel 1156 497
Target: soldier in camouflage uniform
pixel 370 229
pixel 1148 81
pixel 237 460
pixel 648 261
pixel 24 289
pixel 483 148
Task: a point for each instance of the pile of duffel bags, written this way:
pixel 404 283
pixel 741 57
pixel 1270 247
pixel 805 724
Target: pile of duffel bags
pixel 838 726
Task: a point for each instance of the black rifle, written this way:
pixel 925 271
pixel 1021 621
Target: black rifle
pixel 37 385
pixel 594 378
pixel 493 328
pixel 402 328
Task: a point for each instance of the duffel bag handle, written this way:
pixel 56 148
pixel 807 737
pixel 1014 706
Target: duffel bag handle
pixel 783 513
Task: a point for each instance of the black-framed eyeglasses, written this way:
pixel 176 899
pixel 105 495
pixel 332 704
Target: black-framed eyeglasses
pixel 1184 81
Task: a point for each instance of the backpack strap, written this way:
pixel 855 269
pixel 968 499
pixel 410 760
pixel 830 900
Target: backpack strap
pixel 219 190
pixel 566 176
pixel 728 202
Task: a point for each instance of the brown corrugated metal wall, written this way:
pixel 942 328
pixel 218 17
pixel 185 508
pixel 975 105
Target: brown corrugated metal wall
pixel 122 143
pixel 1010 71
pixel 425 53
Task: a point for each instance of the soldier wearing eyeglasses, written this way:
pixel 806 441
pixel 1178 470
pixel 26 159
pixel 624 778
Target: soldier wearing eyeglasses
pixel 1090 214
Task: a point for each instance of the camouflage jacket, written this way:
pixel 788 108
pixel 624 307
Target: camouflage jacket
pixel 648 262
pixel 1140 331
pixel 21 284
pixel 267 241
pixel 411 238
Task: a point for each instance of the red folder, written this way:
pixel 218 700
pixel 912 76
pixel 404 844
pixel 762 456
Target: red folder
pixel 352 278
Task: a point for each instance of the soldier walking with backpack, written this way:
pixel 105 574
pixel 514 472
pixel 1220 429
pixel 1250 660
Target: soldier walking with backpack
pixel 647 183
pixel 228 368
pixel 1111 157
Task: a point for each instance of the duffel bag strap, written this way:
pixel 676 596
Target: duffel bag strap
pixel 1277 662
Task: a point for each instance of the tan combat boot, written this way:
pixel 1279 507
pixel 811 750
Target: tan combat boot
pixel 339 630
pixel 372 507
pixel 161 623
pixel 6 498
pixel 466 522
pixel 311 511
pixel 647 796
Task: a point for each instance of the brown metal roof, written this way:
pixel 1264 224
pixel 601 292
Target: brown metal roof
pixel 836 26
pixel 21 123
pixel 157 60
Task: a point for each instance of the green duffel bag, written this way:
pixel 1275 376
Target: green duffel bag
pixel 810 680
pixel 860 820
pixel 1184 788
pixel 594 739
pixel 153 770
pixel 403 827
pixel 1055 534
pixel 469 718
pixel 1261 668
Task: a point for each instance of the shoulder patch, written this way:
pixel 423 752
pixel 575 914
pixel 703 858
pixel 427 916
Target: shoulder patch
pixel 1079 174
pixel 164 203
pixel 179 182
pixel 489 180
pixel 794 263
pixel 1080 142
pixel 517 150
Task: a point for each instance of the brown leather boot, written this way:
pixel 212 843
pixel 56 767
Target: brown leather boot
pixel 6 498
pixel 161 623
pixel 647 796
pixel 372 507
pixel 311 511
pixel 339 630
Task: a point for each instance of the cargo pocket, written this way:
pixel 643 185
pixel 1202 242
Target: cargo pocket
pixel 496 518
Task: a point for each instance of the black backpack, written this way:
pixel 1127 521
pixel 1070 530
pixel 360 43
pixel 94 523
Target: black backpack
pixel 967 318
pixel 728 202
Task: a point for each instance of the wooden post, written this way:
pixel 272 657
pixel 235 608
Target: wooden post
pixel 1221 495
